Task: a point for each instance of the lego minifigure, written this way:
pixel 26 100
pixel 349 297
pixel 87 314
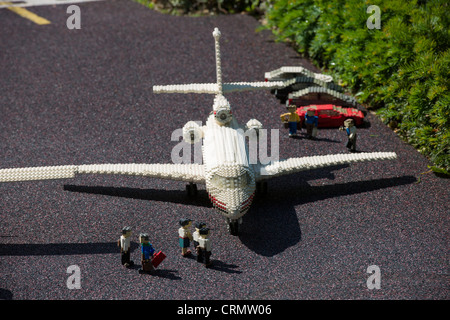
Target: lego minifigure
pixel 147 253
pixel 292 119
pixel 196 234
pixel 185 236
pixel 204 247
pixel 350 129
pixel 125 245
pixel 311 123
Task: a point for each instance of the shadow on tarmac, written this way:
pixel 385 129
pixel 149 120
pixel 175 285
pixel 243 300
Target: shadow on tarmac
pixel 55 249
pixel 270 227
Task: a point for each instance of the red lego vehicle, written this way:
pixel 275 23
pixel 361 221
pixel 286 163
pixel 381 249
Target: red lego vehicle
pixel 331 115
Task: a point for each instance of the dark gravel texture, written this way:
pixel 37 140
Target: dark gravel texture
pixel 85 96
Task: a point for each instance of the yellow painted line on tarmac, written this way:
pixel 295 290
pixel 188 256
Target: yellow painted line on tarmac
pixel 27 14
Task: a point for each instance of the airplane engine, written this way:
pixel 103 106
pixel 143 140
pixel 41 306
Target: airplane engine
pixel 192 132
pixel 223 116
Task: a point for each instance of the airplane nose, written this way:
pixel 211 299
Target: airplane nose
pixel 240 208
pixel 231 203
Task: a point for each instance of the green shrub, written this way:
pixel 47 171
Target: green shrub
pixel 199 7
pixel 402 69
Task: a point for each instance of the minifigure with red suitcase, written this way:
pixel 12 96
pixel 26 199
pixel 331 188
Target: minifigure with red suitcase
pixel 149 259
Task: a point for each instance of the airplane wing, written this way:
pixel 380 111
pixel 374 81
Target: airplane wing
pixel 292 165
pixel 246 86
pixel 213 88
pixel 181 172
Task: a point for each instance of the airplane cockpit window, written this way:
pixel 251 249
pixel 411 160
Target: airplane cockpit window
pixel 230 183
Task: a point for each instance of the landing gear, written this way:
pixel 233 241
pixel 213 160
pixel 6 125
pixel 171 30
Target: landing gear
pixel 261 187
pixel 191 189
pixel 233 226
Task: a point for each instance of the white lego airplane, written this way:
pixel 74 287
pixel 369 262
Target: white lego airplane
pixel 231 181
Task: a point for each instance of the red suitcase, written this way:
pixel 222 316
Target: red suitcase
pixel 158 258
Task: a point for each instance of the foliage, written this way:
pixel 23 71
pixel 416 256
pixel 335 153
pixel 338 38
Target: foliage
pixel 401 69
pixel 201 7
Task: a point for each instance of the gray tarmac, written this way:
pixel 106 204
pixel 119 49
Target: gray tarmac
pixel 85 97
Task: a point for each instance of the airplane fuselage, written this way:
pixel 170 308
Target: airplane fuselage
pixel 230 180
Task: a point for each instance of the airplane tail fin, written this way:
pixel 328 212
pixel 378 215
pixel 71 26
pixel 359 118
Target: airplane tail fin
pixel 219 87
pixel 216 35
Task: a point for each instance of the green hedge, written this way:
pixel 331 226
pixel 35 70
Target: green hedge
pixel 202 7
pixel 401 69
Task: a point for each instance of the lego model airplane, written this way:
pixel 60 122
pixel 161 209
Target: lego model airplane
pixel 231 180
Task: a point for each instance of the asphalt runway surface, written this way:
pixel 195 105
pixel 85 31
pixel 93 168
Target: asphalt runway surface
pixel 85 97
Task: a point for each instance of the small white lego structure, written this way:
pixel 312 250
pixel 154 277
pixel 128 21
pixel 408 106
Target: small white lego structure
pixel 346 99
pixel 229 177
pixel 289 72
